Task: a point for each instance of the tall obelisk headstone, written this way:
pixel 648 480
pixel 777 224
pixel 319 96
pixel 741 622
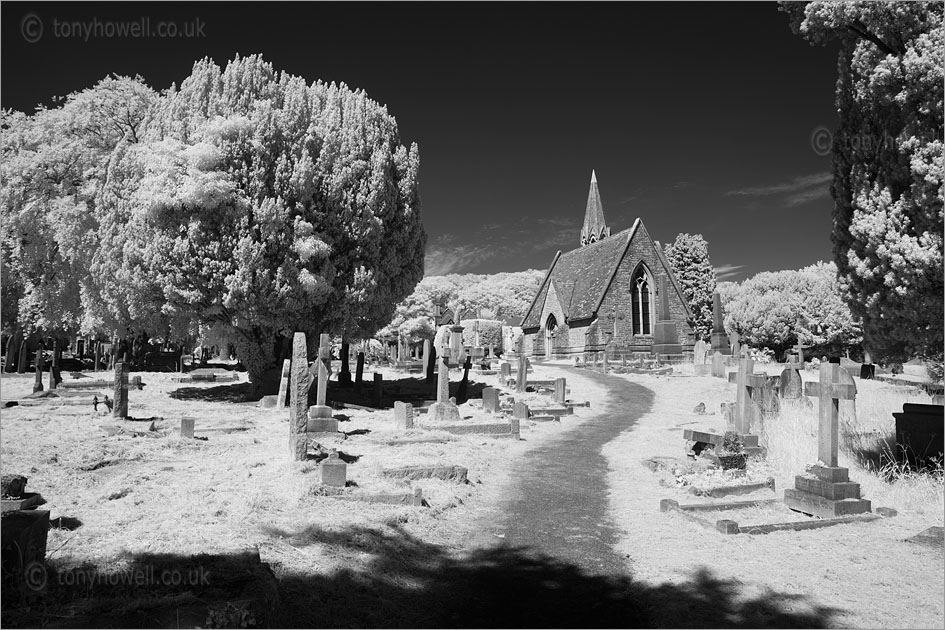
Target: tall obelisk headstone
pixel 298 398
pixel 665 335
pixel 720 341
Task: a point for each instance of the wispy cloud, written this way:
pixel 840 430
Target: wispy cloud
pixel 725 272
pixel 799 190
pixel 445 256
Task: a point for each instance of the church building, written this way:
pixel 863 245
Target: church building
pixel 607 291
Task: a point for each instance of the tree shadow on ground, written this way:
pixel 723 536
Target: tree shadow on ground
pixel 406 583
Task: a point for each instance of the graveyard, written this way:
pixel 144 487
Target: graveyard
pixel 194 471
pixel 389 316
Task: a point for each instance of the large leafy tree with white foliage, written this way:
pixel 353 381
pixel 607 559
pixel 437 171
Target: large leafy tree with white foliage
pixel 688 256
pixel 250 204
pixel 888 165
pixel 781 308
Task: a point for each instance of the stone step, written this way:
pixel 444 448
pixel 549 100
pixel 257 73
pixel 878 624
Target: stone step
pixel 815 505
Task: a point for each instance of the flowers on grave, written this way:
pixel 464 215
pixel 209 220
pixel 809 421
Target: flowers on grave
pixel 732 453
pixel 813 365
pixel 762 355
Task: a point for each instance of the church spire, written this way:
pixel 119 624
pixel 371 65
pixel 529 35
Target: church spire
pixel 595 227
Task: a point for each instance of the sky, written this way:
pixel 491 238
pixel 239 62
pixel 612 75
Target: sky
pixel 706 118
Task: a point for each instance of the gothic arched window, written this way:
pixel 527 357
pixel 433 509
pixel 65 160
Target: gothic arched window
pixel 641 299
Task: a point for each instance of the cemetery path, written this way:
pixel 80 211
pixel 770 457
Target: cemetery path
pixel 558 507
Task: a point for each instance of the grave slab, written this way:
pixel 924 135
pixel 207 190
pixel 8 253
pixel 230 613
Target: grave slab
pixel 456 474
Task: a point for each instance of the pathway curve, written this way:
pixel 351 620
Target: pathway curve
pixel 558 507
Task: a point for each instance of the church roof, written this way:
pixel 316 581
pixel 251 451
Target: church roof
pixel 581 277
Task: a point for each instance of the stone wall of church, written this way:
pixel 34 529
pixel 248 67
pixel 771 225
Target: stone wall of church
pixel 617 304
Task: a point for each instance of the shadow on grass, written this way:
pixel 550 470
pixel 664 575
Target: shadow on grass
pixel 405 583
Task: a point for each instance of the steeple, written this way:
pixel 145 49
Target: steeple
pixel 594 226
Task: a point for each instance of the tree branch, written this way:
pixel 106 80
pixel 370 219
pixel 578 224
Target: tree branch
pixel 860 29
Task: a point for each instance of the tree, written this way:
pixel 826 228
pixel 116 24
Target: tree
pixel 778 309
pixel 688 257
pixel 246 204
pixel 887 166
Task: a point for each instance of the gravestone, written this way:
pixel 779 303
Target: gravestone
pixel 699 352
pixel 736 347
pixel 403 415
pixel 718 365
pixel 826 490
pixel 23 552
pixel 792 387
pixel 187 427
pixel 298 398
pixel 719 340
pixel 282 400
pixel 462 394
pixel 444 409
pixel 359 372
pixel 520 410
pixel 747 413
pixel 426 359
pixel 334 472
pixel 378 390
pixel 98 357
pixel 320 418
pixel 665 335
pixel 120 409
pixel 457 351
pixel 505 371
pixel 344 375
pixel 38 383
pixel 490 400
pixel 561 388
pixel 522 376
pixel 919 434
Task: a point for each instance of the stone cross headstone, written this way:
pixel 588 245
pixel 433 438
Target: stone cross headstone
pixel 561 389
pixel 699 352
pixel 830 391
pixel 403 415
pixel 490 399
pixel 38 383
pixel 298 398
pixel 444 409
pixel 324 369
pixel 282 400
pixel 747 412
pixel 320 417
pixel 120 409
pixel 521 377
pixel 718 365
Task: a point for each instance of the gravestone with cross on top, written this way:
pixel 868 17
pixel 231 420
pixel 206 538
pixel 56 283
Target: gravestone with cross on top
pixel 826 490
pixel 320 419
